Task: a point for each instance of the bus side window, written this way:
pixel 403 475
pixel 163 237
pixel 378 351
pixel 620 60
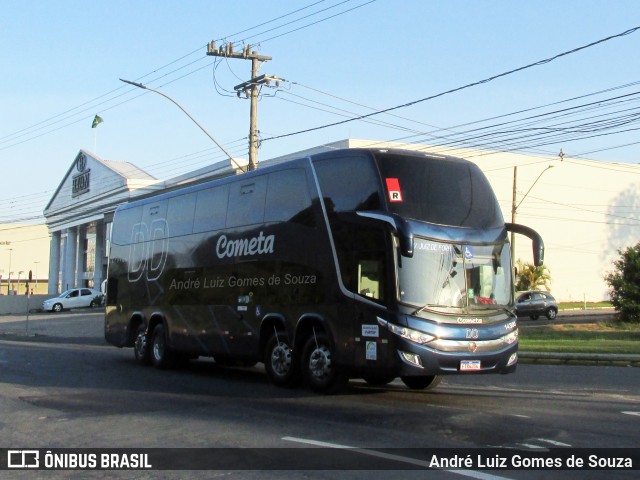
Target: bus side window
pixel 211 209
pixel 370 279
pixel 180 214
pixel 363 260
pixel 246 202
pixel 349 184
pixel 288 198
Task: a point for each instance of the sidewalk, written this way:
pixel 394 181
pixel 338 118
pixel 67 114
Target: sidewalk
pixel 81 323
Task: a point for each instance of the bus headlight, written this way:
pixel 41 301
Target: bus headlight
pixel 415 336
pixel 511 337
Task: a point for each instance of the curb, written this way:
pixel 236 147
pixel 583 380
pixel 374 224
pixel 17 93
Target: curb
pixel 614 359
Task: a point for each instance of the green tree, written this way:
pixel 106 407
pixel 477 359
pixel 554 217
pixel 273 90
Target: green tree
pixel 624 284
pixel 530 277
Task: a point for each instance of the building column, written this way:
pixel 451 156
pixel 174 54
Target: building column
pixel 100 254
pixel 69 259
pixel 54 262
pixel 81 256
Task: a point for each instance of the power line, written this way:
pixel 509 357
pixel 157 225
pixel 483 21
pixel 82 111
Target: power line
pixel 91 105
pixel 457 89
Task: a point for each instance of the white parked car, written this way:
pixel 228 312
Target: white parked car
pixel 74 298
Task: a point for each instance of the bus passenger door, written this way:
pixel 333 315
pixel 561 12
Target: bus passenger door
pixel 365 266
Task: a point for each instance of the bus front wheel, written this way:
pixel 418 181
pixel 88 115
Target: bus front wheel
pixel 323 375
pixel 279 361
pixel 421 383
pixel 379 380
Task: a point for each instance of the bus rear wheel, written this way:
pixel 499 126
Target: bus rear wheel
pixel 323 375
pixel 141 350
pixel 161 355
pixel 279 361
pixel 420 383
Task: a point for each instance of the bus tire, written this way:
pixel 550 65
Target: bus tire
pixel 421 383
pixel 279 361
pixel 321 373
pixel 141 350
pixel 161 355
pixel 378 380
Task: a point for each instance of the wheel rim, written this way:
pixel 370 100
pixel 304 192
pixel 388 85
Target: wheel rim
pixel 320 362
pixel 552 314
pixel 141 345
pixel 281 359
pixel 158 350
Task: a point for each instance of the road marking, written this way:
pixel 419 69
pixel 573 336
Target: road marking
pixel 397 458
pixel 637 414
pixel 553 442
pixel 529 445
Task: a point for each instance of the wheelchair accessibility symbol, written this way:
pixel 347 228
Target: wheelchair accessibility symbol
pixel 468 252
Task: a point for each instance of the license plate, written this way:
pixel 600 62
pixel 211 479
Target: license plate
pixel 466 365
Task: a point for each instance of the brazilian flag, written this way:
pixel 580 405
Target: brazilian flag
pixel 97 120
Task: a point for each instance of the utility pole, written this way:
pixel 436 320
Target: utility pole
pixel 515 206
pixel 513 210
pixel 250 88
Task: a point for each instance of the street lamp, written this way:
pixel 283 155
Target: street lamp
pixel 10 272
pixel 515 206
pixel 36 269
pixel 140 85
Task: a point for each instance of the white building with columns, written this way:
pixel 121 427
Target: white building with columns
pixel 80 213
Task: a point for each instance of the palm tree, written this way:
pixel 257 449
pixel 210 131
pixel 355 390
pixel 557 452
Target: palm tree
pixel 530 277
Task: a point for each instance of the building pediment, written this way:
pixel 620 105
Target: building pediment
pixel 93 186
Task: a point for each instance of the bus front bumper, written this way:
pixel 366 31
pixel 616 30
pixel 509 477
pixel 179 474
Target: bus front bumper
pixel 422 354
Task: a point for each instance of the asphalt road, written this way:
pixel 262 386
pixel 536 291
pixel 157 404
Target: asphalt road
pixel 62 386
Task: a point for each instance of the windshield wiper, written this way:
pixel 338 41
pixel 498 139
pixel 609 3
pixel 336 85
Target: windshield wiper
pixel 430 306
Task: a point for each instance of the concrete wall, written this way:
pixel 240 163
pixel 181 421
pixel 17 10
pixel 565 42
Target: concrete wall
pixel 17 304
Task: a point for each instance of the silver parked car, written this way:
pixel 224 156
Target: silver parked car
pixel 534 303
pixel 73 298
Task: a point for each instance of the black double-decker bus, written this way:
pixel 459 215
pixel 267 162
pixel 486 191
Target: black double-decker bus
pixel 359 263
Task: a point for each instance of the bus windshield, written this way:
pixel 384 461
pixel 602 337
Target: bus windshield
pixel 439 190
pixel 450 278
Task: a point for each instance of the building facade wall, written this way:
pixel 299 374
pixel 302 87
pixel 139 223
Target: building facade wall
pixel 24 248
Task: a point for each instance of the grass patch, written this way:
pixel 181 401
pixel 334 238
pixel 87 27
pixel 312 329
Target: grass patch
pixel 605 337
pixel 581 305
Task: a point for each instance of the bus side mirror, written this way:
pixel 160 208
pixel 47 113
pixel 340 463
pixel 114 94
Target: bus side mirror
pixel 538 243
pixel 399 226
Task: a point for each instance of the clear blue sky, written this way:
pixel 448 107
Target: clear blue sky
pixel 62 61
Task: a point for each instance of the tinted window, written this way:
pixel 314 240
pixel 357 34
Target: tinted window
pixel 154 217
pixel 349 183
pixel 362 257
pixel 180 214
pixel 246 202
pixel 123 226
pixel 443 191
pixel 211 209
pixel 287 197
